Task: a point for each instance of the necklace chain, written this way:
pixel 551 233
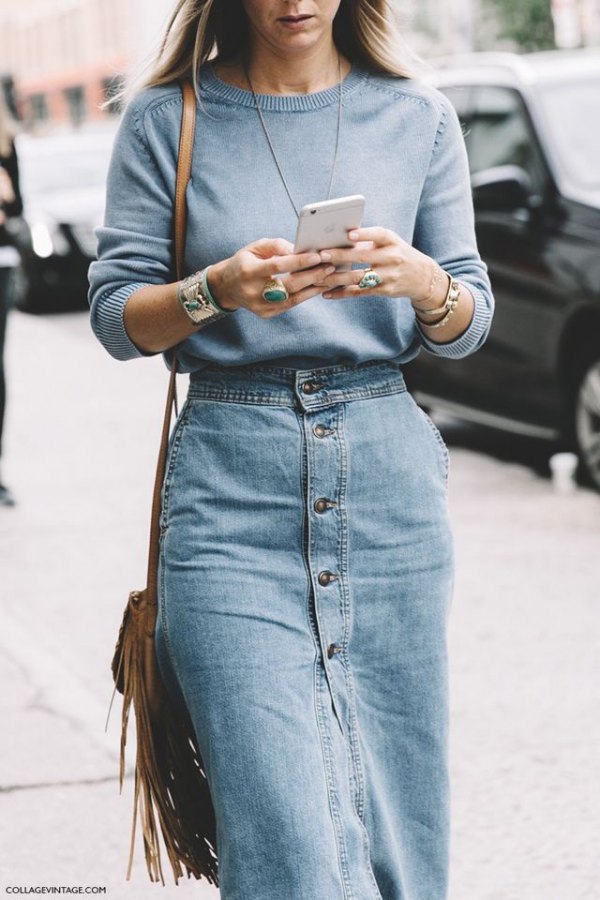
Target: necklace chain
pixel 270 143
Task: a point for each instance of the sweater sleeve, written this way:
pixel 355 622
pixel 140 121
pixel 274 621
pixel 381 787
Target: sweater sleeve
pixel 445 231
pixel 135 241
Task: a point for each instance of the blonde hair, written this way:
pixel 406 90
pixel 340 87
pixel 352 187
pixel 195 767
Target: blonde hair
pixel 365 31
pixel 7 127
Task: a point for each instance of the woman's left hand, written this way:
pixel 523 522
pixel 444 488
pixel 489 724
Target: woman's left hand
pixel 404 270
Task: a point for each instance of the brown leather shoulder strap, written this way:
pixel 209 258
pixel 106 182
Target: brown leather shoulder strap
pixel 184 168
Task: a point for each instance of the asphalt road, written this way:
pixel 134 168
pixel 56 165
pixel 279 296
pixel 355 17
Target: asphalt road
pixel 81 439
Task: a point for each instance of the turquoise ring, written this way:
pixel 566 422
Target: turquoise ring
pixel 370 279
pixel 275 291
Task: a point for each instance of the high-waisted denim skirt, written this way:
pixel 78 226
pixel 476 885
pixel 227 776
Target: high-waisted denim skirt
pixel 305 583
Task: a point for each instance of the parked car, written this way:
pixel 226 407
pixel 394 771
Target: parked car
pixel 63 179
pixel 532 130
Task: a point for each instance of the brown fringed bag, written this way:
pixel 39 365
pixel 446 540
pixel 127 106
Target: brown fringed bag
pixel 170 782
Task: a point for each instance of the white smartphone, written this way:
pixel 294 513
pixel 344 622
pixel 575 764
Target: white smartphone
pixel 322 226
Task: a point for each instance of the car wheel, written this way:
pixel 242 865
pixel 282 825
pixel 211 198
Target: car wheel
pixel 586 420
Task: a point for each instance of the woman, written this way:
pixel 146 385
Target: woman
pixel 10 205
pixel 306 557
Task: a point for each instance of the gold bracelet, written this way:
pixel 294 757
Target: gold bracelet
pixel 450 305
pixel 435 278
pixel 438 309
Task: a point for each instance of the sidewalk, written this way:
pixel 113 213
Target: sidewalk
pixel 81 441
pixel 524 642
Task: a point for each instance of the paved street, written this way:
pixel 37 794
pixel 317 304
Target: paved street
pixel 82 436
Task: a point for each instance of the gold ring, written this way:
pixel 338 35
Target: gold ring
pixel 275 291
pixel 370 279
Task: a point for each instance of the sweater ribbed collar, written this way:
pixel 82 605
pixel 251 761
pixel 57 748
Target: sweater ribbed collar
pixel 215 87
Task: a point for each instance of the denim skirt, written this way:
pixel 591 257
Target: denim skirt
pixel 305 583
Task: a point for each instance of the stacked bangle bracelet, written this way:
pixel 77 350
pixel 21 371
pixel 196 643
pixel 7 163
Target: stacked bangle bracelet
pixel 448 306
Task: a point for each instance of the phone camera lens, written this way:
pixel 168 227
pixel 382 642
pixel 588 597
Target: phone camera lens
pixel 312 212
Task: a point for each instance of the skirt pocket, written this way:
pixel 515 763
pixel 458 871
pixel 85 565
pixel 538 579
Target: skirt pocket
pixel 172 453
pixel 439 441
pixel 164 652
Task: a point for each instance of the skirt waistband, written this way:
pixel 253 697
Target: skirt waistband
pixel 309 389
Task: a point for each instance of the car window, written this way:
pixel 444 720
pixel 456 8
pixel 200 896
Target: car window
pixel 572 115
pixel 500 133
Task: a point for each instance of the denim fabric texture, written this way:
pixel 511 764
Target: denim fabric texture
pixel 400 145
pixel 305 584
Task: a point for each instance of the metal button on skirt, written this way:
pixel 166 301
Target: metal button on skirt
pixel 305 584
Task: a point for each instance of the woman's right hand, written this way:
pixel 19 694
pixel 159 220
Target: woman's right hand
pixel 240 280
pixel 155 320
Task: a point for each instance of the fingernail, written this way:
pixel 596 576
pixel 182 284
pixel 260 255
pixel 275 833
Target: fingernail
pixel 353 235
pixel 325 256
pixel 314 260
pixel 330 270
pixel 327 296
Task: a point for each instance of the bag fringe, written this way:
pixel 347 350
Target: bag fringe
pixel 170 781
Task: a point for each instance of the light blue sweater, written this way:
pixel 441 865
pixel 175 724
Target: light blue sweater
pixel 401 146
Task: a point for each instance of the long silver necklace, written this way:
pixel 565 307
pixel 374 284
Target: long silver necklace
pixel 270 143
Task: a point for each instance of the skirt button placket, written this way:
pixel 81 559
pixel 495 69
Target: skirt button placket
pixel 323 418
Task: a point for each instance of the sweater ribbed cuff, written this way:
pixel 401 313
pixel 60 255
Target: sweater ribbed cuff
pixel 108 324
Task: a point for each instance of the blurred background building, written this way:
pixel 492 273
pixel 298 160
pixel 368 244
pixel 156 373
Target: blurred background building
pixel 59 60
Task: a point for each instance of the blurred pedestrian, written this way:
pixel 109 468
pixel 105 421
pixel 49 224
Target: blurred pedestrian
pixel 10 205
pixel 306 558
